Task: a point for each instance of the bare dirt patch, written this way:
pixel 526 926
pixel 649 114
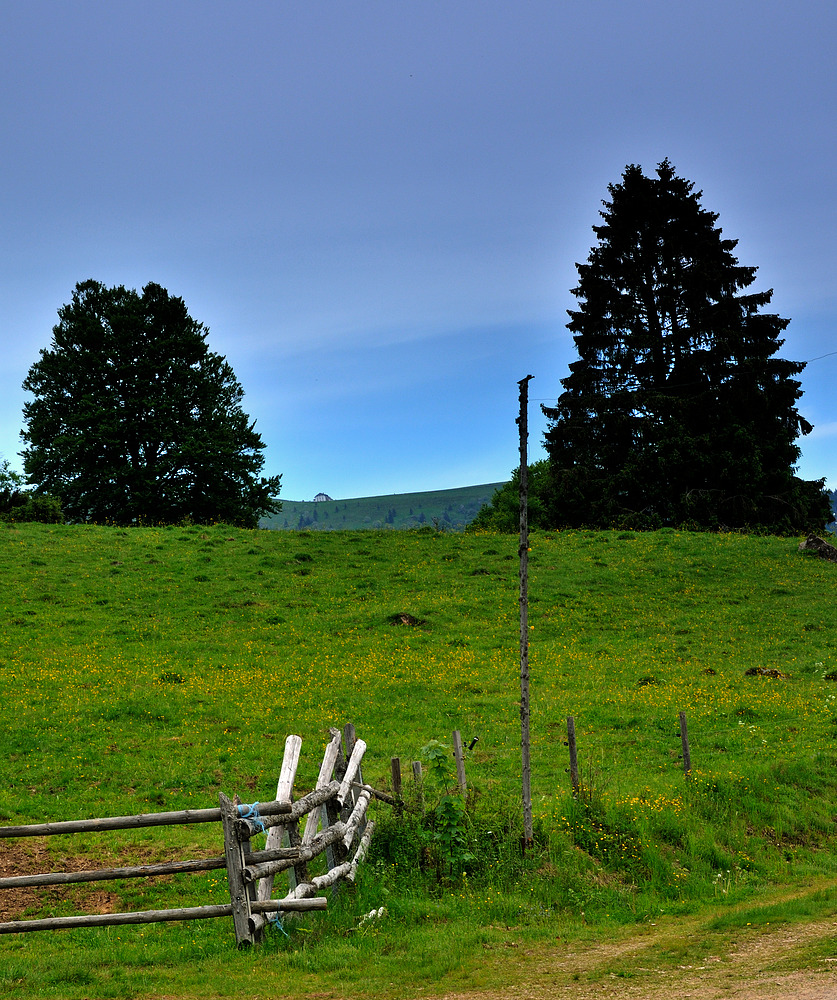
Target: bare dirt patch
pixel 17 859
pixel 32 857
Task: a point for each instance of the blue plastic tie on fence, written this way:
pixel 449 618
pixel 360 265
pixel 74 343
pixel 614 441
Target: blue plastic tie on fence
pixel 252 814
pixel 275 921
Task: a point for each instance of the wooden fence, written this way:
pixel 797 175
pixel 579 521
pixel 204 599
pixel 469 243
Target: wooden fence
pixel 335 823
pixel 572 745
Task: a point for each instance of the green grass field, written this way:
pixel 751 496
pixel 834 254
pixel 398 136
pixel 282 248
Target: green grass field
pixel 147 669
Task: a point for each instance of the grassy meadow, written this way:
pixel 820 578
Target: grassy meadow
pixel 146 669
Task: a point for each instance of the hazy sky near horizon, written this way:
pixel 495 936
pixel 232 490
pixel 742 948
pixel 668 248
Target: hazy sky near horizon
pixel 376 207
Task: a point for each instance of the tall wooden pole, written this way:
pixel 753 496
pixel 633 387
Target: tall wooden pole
pixel 684 742
pixel 523 424
pixel 571 743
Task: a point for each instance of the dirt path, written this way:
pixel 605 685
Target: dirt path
pixel 790 962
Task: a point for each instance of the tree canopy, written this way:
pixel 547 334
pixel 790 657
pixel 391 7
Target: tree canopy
pixel 134 420
pixel 678 410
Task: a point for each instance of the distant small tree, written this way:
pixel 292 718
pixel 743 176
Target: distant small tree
pixel 134 420
pixel 502 513
pixel 19 504
pixel 11 483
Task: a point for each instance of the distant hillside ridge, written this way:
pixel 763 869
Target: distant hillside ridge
pixel 448 510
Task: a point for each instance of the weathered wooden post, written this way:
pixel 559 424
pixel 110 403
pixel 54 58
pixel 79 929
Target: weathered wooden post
pixel 290 762
pixel 350 740
pixel 277 834
pixel 333 763
pixel 573 755
pixel 459 757
pixel 239 891
pixel 526 767
pixel 684 742
pixel 326 770
pixel 418 778
pixel 397 790
pixel 340 808
pixel 347 797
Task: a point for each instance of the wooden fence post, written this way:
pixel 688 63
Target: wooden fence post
pixel 239 892
pixel 397 791
pixel 419 780
pixel 684 742
pixel 276 834
pixel 287 773
pixel 326 770
pixel 459 756
pixel 576 783
pixel 350 739
pixel 347 796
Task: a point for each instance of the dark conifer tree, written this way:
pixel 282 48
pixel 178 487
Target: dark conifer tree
pixel 677 410
pixel 134 420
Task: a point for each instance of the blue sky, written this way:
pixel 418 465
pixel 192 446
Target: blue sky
pixel 376 207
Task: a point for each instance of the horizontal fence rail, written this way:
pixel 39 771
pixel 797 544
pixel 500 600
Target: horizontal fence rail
pixel 176 818
pixel 142 871
pixel 157 916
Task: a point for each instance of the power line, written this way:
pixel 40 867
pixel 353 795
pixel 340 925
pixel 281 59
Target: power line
pixel 829 355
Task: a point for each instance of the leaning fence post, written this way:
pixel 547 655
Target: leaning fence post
pixel 326 769
pixel 275 836
pixel 336 853
pixel 573 755
pixel 684 741
pixel 351 740
pixel 295 840
pixel 287 773
pixel 459 756
pixel 331 764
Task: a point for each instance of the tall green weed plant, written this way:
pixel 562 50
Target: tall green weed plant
pixel 449 820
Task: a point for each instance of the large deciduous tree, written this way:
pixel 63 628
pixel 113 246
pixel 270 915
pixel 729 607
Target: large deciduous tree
pixel 678 410
pixel 134 420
